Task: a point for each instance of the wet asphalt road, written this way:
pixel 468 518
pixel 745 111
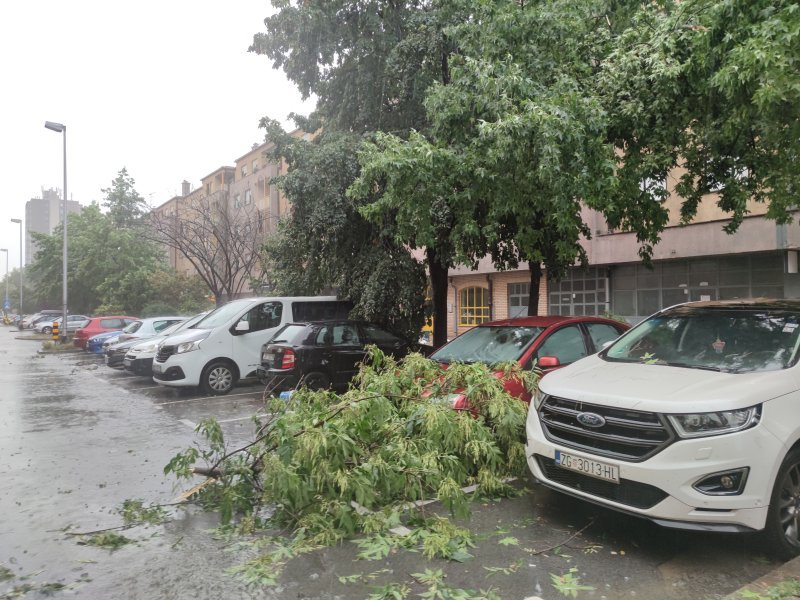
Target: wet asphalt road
pixel 78 438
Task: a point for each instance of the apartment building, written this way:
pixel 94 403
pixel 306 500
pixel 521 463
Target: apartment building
pixel 42 215
pixel 697 261
pixel 242 193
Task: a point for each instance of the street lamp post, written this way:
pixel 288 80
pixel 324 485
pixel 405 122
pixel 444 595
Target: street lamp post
pixel 5 304
pixel 58 127
pixel 19 222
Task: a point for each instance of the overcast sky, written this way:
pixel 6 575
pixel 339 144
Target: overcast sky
pixel 163 88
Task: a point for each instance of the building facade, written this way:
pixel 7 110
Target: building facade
pixel 694 261
pixel 43 215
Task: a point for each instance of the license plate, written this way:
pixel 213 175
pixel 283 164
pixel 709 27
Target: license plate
pixel 156 368
pixel 587 466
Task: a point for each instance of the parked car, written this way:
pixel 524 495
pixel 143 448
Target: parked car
pixel 99 325
pixel 139 357
pixel 73 322
pixel 95 343
pixel 145 328
pixel 29 321
pixel 225 346
pixel 690 419
pixel 322 354
pixel 550 342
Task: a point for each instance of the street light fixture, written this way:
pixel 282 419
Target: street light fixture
pixel 5 304
pixel 59 128
pixel 19 222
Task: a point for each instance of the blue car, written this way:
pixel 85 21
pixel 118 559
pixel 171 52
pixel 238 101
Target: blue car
pixel 95 343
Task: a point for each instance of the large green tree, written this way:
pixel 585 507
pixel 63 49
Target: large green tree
pixel 326 243
pixel 369 64
pixel 709 86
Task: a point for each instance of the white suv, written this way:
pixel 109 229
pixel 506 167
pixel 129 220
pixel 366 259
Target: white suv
pixel 690 419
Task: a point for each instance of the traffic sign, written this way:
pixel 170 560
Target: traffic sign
pixel 7 305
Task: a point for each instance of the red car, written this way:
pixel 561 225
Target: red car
pixel 99 325
pixel 552 342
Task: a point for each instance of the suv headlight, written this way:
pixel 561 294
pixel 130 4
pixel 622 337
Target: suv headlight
pixel 694 425
pixel 538 398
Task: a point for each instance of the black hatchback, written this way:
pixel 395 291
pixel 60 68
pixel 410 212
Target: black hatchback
pixel 322 354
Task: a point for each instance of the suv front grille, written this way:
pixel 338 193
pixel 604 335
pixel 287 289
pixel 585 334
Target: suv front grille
pixel 164 353
pixel 628 435
pixel 629 493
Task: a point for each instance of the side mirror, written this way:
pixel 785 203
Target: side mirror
pixel 242 326
pixel 548 362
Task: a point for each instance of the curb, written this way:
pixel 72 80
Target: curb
pixel 789 570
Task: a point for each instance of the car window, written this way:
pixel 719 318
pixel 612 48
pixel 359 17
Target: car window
pixel 305 310
pixel 163 324
pixel 132 328
pixel 601 333
pixel 345 335
pixel 566 344
pixel 263 316
pixel 376 335
pixel 323 338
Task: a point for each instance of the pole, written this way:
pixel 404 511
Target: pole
pixel 64 273
pixel 19 222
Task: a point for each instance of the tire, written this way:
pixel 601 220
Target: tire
pixel 218 378
pixel 316 380
pixel 47 330
pixel 781 536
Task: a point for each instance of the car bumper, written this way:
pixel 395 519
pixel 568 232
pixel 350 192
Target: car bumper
pixel 660 488
pixel 140 366
pixel 177 371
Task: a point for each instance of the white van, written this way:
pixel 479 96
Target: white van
pixel 225 346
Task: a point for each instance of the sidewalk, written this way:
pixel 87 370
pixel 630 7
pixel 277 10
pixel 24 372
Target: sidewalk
pixel 789 570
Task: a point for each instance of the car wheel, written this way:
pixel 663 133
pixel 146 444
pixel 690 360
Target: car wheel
pixel 47 330
pixel 218 378
pixel 782 533
pixel 316 380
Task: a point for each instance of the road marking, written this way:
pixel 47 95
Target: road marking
pixel 245 418
pixel 204 398
pixel 188 423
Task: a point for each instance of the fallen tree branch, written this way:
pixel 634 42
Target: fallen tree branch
pixel 564 543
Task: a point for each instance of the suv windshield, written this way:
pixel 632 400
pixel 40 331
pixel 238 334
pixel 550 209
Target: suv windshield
pixel 488 345
pixel 716 338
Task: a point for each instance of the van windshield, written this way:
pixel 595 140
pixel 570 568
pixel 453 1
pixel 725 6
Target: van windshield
pixel 222 315
pixel 713 338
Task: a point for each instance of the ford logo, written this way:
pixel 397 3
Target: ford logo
pixel 590 419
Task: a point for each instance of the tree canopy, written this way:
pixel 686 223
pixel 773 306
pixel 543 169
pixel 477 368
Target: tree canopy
pixel 523 113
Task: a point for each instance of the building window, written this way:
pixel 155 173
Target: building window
pixel 255 165
pixel 237 201
pixel 244 170
pixel 248 197
pixel 580 292
pixel 518 297
pixel 474 308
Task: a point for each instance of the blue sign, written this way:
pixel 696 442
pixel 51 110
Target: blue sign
pixel 7 305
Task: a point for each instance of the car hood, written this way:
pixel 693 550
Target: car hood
pixel 131 342
pixel 661 388
pixel 190 335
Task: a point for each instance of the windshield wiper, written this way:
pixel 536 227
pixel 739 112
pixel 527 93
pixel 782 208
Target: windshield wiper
pixel 690 366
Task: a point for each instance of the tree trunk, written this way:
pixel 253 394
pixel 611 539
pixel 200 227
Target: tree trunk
pixel 438 297
pixel 535 269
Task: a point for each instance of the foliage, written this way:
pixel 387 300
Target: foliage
pixel 6 573
pixel 109 540
pixel 126 207
pixel 334 466
pixel 325 243
pixel 707 87
pixel 134 511
pixel 438 590
pixel 109 262
pixel 568 584
pixel 783 590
